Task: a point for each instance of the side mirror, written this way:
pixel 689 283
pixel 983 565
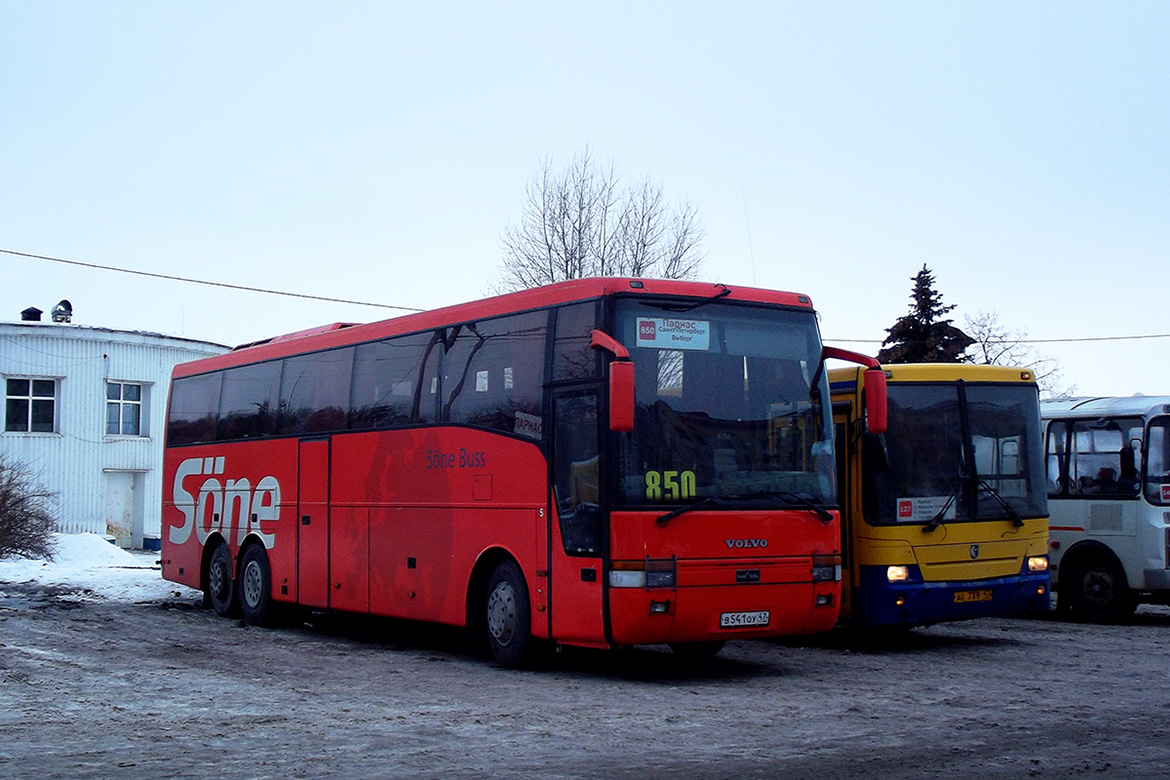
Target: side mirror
pixel 621 396
pixel 875 386
pixel 876 400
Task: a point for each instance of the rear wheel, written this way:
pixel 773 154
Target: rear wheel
pixel 508 617
pixel 1097 591
pixel 221 590
pixel 256 586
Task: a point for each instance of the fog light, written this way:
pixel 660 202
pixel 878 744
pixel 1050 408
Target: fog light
pixel 659 607
pixel 1040 590
pixel 1038 563
pixel 897 573
pixel 824 599
pixel 900 600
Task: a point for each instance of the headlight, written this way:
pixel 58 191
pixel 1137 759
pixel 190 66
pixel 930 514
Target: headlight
pixel 1038 563
pixel 648 573
pixel 826 568
pixel 627 579
pixel 897 573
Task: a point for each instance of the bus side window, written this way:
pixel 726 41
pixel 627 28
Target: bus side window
pixel 194 415
pixel 1057 458
pixel 573 358
pixel 386 375
pixel 248 403
pixel 1103 462
pixel 314 392
pixel 493 375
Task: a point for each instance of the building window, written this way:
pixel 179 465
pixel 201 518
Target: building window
pixel 124 409
pixel 30 405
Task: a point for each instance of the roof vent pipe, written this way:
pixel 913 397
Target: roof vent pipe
pixel 63 312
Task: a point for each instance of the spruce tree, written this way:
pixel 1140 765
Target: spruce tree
pixel 925 335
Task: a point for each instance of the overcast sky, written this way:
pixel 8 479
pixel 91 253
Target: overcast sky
pixel 375 151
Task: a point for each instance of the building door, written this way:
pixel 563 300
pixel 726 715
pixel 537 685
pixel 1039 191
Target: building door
pixel 124 507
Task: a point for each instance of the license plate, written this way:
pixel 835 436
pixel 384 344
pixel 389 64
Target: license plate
pixel 744 619
pixel 963 596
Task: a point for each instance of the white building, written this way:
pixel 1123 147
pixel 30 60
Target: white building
pixel 85 412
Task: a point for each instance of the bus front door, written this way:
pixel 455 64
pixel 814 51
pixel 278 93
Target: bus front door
pixel 576 611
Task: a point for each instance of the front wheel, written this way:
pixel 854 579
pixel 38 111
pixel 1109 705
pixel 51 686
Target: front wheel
pixel 256 586
pixel 221 587
pixel 508 616
pixel 1097 592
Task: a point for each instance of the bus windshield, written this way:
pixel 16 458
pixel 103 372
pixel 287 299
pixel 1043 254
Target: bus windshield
pixel 731 402
pixel 960 452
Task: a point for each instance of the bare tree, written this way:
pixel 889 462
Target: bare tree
pixel 26 522
pixel 579 223
pixel 997 345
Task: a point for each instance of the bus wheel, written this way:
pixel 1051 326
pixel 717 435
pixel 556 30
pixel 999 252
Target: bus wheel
pixel 508 615
pixel 256 586
pixel 696 651
pixel 220 586
pixel 1097 592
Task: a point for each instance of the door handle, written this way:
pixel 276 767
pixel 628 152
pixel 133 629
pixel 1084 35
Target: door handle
pixel 305 520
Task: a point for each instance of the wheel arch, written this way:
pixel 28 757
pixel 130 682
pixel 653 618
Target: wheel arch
pixel 251 540
pixel 1088 550
pixel 477 583
pixel 213 541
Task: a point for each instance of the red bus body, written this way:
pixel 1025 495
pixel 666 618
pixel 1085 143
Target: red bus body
pixel 367 514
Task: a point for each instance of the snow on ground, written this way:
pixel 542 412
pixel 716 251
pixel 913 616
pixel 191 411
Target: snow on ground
pixel 97 569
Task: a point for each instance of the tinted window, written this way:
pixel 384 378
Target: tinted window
pixel 194 409
pixel 248 402
pixel 493 374
pixel 576 474
pixel 314 392
pixel 390 386
pixel 573 358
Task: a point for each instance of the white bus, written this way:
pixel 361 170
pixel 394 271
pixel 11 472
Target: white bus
pixel 1108 463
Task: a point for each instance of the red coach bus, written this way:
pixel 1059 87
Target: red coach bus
pixel 603 462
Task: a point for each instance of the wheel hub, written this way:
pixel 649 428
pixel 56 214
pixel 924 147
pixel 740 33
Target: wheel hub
pixel 501 613
pixel 253 584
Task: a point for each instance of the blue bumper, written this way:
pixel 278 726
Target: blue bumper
pixel 876 601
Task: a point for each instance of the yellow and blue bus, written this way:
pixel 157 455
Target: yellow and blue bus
pixel 945 515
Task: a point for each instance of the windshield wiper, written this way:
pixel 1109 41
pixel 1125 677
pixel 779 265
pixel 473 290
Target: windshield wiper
pixel 936 521
pixel 800 500
pixel 784 495
pixel 682 510
pixel 1017 521
pixel 723 293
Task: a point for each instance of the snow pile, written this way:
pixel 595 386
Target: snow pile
pixel 96 568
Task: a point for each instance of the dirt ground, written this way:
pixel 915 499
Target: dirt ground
pixel 93 688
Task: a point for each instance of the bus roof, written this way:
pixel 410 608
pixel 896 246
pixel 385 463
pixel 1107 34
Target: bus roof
pixel 1115 406
pixel 340 334
pixel 940 372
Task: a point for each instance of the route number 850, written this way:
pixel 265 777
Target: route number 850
pixel 670 485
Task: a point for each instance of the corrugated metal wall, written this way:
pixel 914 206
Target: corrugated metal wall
pixel 79 462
